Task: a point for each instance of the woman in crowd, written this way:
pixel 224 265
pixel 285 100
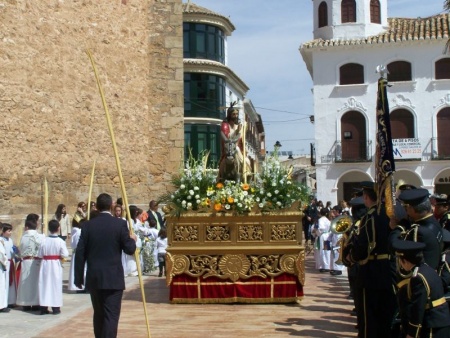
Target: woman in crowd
pixel 75 237
pixel 64 221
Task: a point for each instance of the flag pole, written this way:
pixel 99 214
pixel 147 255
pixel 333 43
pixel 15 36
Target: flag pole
pixel 122 185
pixel 384 159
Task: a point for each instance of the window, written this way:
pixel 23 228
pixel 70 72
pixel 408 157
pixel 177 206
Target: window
pixel 443 136
pixel 323 14
pixel 399 71
pixel 204 94
pixel 353 137
pixel 375 15
pixel 442 69
pixel 203 42
pixel 351 73
pixel 402 124
pixel 348 11
pixel 199 138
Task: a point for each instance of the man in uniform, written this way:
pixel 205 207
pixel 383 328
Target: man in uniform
pixel 374 280
pixel 423 309
pixel 425 228
pixel 441 210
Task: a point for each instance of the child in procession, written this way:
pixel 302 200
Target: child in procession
pixel 52 250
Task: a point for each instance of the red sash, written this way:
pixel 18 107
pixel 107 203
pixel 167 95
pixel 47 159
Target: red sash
pixel 51 258
pixel 18 269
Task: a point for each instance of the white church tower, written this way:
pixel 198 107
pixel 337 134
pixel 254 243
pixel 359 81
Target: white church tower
pixel 343 19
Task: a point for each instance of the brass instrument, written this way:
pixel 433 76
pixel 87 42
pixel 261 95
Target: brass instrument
pixel 342 225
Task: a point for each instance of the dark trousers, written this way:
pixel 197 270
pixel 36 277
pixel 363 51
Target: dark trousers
pixel 375 311
pixel 106 304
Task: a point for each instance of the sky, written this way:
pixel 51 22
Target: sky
pixel 264 52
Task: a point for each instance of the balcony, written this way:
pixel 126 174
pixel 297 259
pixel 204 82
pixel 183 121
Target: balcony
pixel 440 148
pixel 349 151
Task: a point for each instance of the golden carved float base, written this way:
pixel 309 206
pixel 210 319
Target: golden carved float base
pixel 226 258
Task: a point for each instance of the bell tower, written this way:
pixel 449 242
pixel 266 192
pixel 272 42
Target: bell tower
pixel 349 19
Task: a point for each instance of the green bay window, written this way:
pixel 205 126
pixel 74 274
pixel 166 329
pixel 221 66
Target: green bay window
pixel 202 41
pixel 204 95
pixel 199 138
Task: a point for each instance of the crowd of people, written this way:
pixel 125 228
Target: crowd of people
pixel 398 266
pixel 31 274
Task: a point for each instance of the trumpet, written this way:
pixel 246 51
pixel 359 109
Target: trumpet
pixel 342 225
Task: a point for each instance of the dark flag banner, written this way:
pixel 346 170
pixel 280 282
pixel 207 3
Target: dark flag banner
pixel 384 158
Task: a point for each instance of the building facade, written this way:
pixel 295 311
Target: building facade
pixel 210 86
pixel 352 38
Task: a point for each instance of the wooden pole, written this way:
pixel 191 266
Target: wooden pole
pixel 45 216
pixel 90 192
pixel 122 185
pixel 244 153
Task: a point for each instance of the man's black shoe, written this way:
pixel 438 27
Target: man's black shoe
pixel 5 310
pixel 324 270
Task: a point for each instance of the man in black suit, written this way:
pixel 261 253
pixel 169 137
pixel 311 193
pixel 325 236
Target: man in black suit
pixel 154 214
pixel 101 244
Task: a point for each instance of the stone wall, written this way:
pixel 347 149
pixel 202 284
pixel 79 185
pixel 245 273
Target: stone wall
pixel 53 122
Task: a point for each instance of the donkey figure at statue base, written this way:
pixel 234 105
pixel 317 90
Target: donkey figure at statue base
pixel 231 166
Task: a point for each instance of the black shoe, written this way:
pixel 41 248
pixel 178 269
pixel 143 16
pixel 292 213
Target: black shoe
pixel 44 310
pixel 5 310
pixel 27 308
pixel 336 273
pixel 80 291
pixel 324 270
pixel 35 308
pixel 56 310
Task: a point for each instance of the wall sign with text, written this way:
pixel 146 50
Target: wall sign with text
pixel 407 148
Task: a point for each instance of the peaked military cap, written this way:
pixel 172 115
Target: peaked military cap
pixel 356 201
pixel 406 187
pixel 414 197
pixel 441 199
pixel 368 185
pixel 408 249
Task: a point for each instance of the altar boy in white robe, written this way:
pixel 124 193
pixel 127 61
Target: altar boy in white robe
pixel 28 291
pixel 11 287
pixel 52 250
pixel 4 284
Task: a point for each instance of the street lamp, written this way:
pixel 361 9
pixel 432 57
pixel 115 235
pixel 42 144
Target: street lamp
pixel 277 144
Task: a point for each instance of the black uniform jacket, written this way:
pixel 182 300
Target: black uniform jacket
pixel 428 231
pixel 426 305
pixel 101 244
pixel 370 250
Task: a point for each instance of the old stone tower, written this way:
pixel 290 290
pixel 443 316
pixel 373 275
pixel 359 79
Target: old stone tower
pixel 53 123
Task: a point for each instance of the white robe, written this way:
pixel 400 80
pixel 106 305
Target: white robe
pixel 75 237
pixel 334 239
pixel 4 276
pixel 51 273
pixel 322 256
pixel 12 289
pixel 28 290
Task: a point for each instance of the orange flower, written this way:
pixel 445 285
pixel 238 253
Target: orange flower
pixel 245 186
pixel 219 185
pixel 217 207
pixel 230 199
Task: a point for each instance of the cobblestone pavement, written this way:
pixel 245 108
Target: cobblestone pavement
pixel 324 312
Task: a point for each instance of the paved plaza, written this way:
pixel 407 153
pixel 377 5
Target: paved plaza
pixel 324 312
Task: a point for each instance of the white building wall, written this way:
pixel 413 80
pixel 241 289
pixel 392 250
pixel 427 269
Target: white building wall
pixel 423 96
